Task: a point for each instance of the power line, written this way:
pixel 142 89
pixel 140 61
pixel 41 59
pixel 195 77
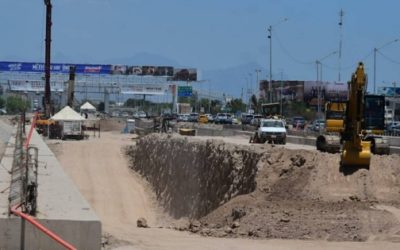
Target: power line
pixel 288 54
pixel 350 65
pixel 388 58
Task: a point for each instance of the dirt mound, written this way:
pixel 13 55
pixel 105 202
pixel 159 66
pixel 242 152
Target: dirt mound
pixel 190 177
pixel 303 195
pixel 270 192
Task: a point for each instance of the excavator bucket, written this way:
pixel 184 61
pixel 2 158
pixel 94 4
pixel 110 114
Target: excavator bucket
pixel 352 156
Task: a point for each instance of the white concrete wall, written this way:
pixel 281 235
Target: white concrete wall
pixel 60 207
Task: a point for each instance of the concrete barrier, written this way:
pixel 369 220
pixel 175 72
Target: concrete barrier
pixel 302 140
pixel 60 207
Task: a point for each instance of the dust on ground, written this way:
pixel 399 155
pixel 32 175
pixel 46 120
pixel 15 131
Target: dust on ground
pixel 98 168
pixel 304 195
pixel 299 194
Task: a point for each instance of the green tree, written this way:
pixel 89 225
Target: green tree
pixel 215 106
pixel 16 104
pixel 236 105
pixel 2 102
pixel 205 103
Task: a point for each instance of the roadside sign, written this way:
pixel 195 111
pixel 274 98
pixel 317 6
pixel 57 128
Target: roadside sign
pixel 184 91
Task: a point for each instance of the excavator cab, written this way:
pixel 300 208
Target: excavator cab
pixel 374 124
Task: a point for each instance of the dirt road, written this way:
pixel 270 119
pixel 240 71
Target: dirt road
pixel 120 197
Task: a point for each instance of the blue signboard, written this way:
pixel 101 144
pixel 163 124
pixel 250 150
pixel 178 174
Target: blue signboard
pixel 184 91
pixel 55 68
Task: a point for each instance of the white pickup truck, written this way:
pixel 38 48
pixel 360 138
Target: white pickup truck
pixel 271 130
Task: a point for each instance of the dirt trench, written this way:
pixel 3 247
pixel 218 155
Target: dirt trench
pixel 230 190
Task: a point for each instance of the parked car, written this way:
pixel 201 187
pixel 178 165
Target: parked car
pixel 256 120
pixel 210 118
pixel 183 118
pixel 235 120
pixel 299 122
pixel 140 114
pixel 223 118
pixel 246 119
pixel 393 128
pixel 193 117
pixel 318 125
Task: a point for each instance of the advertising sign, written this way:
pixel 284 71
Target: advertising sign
pixel 145 89
pixel 389 91
pixel 54 67
pixel 188 75
pixel 170 73
pixel 328 91
pixel 142 70
pixel 290 90
pixel 185 91
pixel 34 85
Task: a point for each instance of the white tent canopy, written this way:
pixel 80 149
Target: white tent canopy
pixel 87 106
pixel 67 114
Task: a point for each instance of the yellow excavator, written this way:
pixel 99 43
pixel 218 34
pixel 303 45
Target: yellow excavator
pixel 372 123
pixel 356 151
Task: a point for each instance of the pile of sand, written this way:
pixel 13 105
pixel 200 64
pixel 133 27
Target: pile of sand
pixel 229 190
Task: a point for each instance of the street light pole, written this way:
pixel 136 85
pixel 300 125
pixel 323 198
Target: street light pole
pixel 270 65
pixel 257 83
pixel 394 103
pixel 270 58
pixel 281 110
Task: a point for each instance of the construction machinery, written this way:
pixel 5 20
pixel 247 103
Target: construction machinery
pixel 372 125
pixel 329 141
pixel 356 151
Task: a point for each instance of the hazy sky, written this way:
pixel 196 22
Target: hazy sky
pixel 210 34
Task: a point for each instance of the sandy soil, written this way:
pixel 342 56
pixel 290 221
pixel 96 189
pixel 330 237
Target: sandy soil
pixel 120 197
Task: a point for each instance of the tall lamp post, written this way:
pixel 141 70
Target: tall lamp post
pixel 394 103
pixel 376 50
pixel 319 78
pixel 270 57
pixel 257 83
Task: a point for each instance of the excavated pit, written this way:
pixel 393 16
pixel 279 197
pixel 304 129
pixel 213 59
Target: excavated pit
pixel 265 191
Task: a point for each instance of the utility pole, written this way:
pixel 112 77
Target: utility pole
pixel 341 14
pixel 257 83
pixel 394 103
pixel 270 65
pixel 375 50
pixel 270 57
pixel 281 94
pixel 47 90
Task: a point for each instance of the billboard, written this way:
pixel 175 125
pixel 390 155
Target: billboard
pixel 291 90
pixel 328 91
pixel 142 70
pixel 305 91
pixel 171 73
pixel 54 67
pixel 34 85
pixel 146 89
pixel 389 91
pixel 181 74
